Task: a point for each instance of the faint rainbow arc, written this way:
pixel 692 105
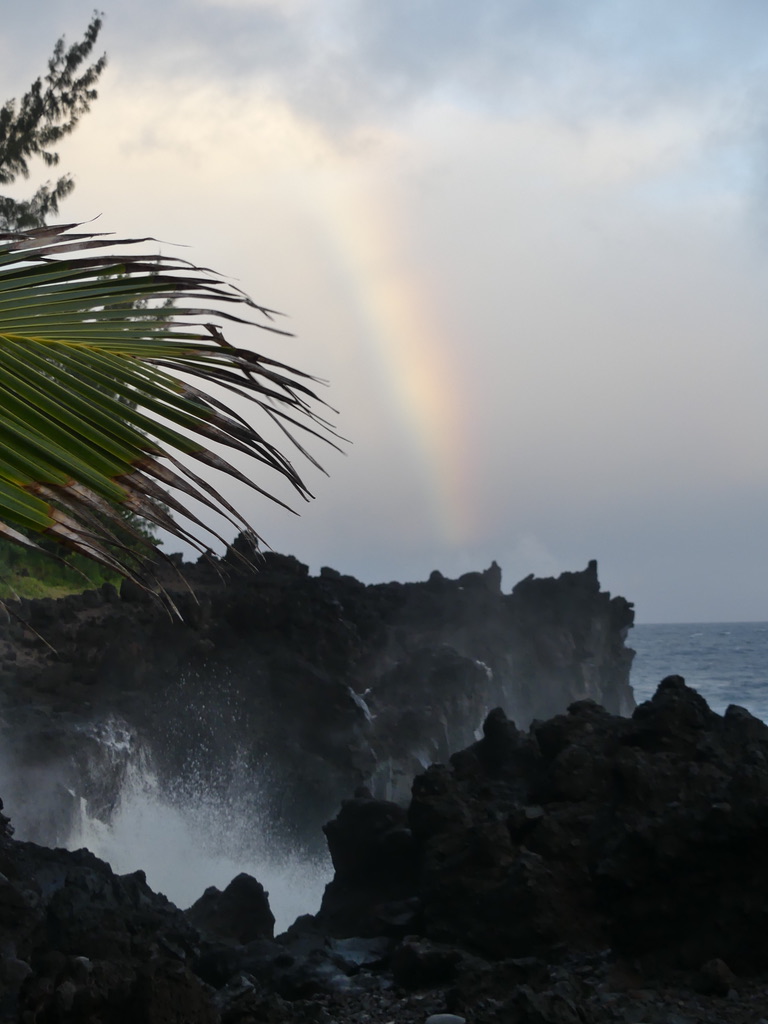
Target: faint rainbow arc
pixel 402 328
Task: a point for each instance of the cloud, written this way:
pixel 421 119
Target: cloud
pixel 350 65
pixel 348 62
pixel 518 238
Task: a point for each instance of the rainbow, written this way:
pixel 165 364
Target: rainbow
pixel 401 327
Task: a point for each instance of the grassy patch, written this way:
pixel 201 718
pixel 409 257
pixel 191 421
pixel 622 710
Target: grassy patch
pixel 14 587
pixel 33 574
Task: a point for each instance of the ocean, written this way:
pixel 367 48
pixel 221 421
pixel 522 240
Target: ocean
pixel 727 662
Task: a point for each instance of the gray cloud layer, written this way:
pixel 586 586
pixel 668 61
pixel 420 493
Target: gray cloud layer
pixel 606 319
pixel 347 60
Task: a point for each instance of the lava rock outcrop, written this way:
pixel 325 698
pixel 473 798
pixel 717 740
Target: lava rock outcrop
pixel 593 869
pixel 647 835
pixel 315 685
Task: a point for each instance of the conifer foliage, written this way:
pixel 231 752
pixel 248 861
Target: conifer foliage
pixel 34 125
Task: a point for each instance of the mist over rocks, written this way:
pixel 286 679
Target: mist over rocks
pixel 312 684
pixel 593 868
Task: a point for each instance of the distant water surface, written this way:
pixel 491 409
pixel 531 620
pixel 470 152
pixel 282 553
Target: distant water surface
pixel 726 662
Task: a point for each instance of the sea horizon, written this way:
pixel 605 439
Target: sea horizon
pixel 726 662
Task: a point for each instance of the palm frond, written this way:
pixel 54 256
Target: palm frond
pixel 94 415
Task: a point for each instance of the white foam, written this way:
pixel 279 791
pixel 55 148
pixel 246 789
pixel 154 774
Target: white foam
pixel 187 844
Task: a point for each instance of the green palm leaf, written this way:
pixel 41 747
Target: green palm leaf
pixel 95 415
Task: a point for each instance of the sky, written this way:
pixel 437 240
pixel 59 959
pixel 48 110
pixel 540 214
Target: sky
pixel 525 242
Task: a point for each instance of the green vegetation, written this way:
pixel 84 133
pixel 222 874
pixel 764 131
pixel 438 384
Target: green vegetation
pixel 114 371
pixel 104 412
pixel 53 571
pixel 26 573
pixel 31 127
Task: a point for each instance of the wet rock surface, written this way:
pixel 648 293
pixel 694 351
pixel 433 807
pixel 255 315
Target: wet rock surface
pixel 318 683
pixel 592 869
pixel 239 915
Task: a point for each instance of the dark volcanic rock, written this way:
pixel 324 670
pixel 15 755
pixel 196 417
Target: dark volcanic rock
pixel 82 944
pixel 318 683
pixel 375 866
pixel 239 914
pixel 647 835
pixel 594 869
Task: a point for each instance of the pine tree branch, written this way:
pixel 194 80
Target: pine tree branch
pixel 33 126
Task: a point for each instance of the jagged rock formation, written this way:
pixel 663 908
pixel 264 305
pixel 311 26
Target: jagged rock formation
pixel 590 831
pixel 322 683
pixel 238 915
pixel 596 868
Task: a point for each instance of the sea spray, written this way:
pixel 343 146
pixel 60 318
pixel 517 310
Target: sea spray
pixel 48 766
pixel 185 834
pixel 185 847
